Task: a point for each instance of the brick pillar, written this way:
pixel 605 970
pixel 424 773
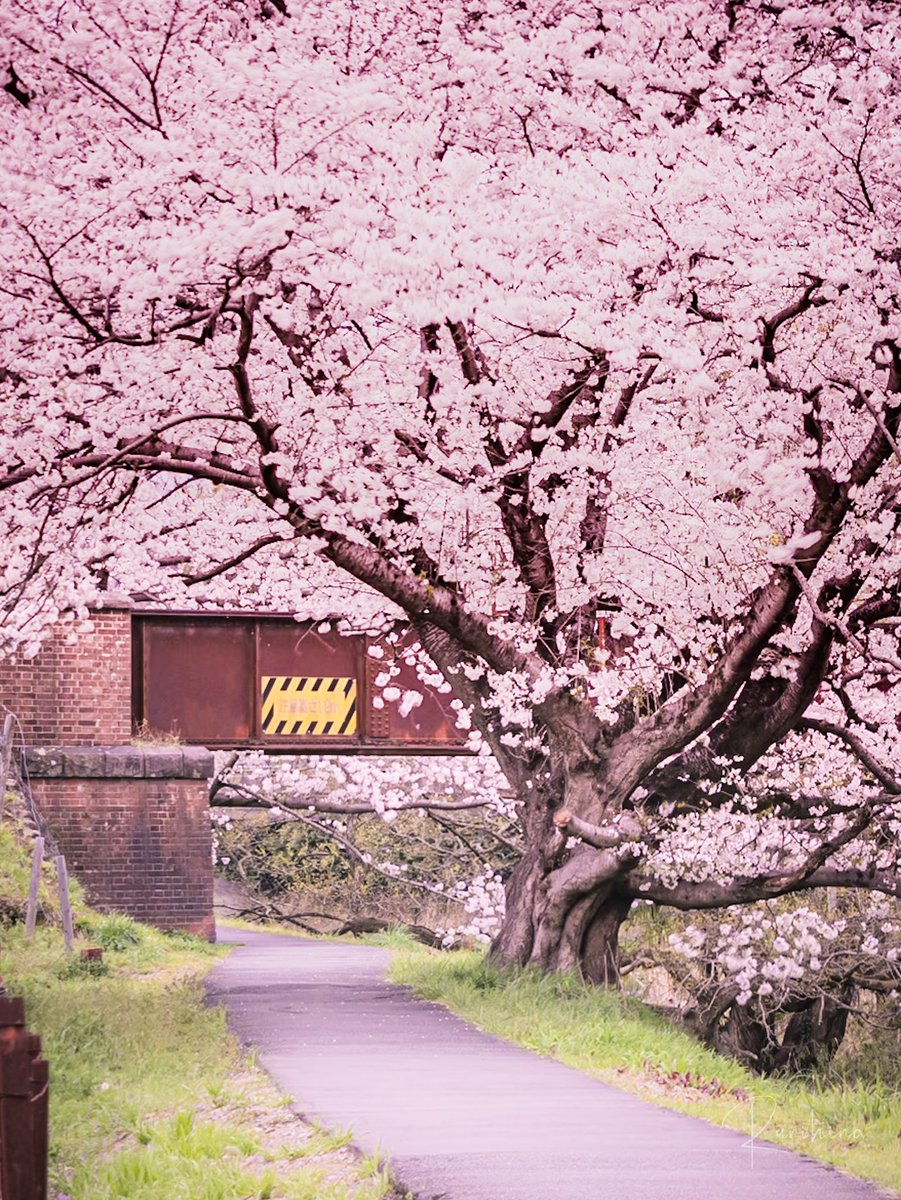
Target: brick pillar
pixel 76 694
pixel 133 823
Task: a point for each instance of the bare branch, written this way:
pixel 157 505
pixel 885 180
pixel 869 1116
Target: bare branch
pixel 890 782
pixel 270 539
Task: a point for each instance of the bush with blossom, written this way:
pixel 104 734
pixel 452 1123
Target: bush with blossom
pixel 775 984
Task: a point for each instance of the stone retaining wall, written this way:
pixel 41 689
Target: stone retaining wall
pixel 133 823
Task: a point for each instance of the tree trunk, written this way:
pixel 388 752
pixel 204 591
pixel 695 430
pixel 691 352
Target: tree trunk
pixel 513 945
pixel 563 912
pixel 557 932
pixel 743 1036
pixel 814 1033
pixel 600 947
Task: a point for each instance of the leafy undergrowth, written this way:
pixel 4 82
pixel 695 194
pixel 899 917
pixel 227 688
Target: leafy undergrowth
pixel 150 1095
pixel 853 1125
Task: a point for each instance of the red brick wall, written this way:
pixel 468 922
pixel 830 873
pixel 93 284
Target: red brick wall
pixel 78 695
pixel 138 846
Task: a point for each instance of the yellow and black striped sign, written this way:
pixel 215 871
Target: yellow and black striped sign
pixel 309 706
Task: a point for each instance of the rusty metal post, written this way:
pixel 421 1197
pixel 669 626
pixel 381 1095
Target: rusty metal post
pixel 40 1114
pixel 24 1090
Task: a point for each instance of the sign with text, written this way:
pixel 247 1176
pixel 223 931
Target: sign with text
pixel 311 706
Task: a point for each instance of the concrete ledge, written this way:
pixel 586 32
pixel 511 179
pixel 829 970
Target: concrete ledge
pixel 120 762
pixel 124 762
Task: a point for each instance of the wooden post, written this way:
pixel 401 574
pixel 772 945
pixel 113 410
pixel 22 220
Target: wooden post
pixel 31 911
pixel 6 750
pixel 62 876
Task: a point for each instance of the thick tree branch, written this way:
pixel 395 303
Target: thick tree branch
pixel 603 837
pixel 715 894
pixel 764 712
pixel 808 873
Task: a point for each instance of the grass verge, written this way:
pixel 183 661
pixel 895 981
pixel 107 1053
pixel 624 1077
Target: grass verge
pixel 150 1095
pixel 854 1126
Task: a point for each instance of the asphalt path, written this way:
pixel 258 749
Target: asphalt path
pixel 461 1115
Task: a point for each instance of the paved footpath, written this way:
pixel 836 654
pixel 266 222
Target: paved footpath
pixel 461 1115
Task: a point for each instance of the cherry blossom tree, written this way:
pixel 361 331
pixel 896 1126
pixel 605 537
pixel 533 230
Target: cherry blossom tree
pixel 567 335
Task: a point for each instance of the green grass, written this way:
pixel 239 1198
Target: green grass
pixel 393 938
pixel 15 873
pixel 151 1098
pixel 855 1126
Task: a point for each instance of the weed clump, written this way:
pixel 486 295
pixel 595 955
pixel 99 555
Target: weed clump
pixel 114 931
pixel 83 968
